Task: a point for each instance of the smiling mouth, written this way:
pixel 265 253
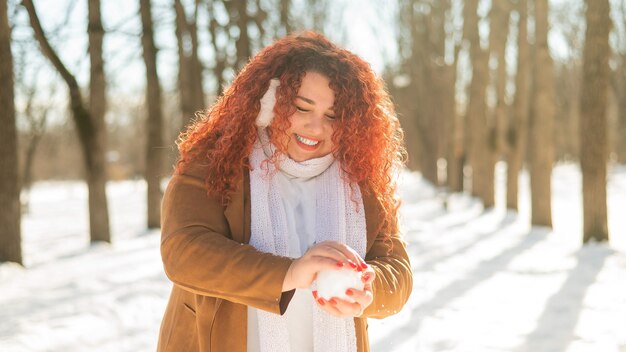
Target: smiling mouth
pixel 306 143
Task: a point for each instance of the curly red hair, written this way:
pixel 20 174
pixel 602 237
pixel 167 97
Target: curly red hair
pixel 368 138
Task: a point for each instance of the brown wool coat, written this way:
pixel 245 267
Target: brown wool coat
pixel 216 274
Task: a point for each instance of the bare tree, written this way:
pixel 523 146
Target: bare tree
pixel 285 18
pixel 442 92
pixel 190 82
pixel 220 52
pixel 238 11
pixel 410 91
pixel 97 172
pixel 568 81
pixel 456 150
pixel 154 121
pixel 89 122
pixel 620 90
pixel 619 84
pixel 498 34
pixel 36 117
pixel 476 110
pixel 451 128
pixel 317 11
pixel 594 146
pixel 541 140
pixel 424 83
pixel 10 232
pixel 517 136
pixel 427 121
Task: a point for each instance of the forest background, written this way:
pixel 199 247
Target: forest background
pixel 100 90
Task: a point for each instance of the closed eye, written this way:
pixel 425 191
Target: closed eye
pixel 302 109
pixel 330 117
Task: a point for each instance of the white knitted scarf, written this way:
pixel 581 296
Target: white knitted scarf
pixel 337 218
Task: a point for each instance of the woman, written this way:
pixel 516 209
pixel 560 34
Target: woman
pixel 290 173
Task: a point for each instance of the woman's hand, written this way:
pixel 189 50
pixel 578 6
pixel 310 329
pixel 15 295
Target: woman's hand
pixel 327 255
pixel 362 299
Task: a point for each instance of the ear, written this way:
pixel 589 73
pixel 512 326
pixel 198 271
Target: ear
pixel 266 113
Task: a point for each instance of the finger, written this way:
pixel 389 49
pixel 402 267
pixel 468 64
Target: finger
pixel 352 257
pixel 363 298
pixel 329 307
pixel 368 275
pixel 325 263
pixel 325 250
pixel 345 307
pixel 332 307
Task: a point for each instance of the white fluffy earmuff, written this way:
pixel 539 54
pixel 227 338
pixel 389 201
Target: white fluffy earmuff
pixel 266 113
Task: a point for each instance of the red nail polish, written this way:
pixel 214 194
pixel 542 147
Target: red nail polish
pixel 315 294
pixel 332 301
pixel 365 277
pixel 320 301
pixel 349 292
pixel 354 266
pixel 363 266
pixel 340 264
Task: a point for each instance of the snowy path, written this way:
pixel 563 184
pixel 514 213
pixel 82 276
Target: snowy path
pixel 484 281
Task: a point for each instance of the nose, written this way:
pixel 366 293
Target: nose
pixel 315 123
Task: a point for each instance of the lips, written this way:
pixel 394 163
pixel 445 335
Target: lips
pixel 306 143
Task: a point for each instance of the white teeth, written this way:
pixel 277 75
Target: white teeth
pixel 306 141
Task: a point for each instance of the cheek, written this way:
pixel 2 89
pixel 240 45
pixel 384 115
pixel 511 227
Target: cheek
pixel 331 131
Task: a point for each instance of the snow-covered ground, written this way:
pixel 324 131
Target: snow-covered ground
pixel 484 280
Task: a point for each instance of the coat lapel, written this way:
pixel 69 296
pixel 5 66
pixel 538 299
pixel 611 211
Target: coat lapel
pixel 237 212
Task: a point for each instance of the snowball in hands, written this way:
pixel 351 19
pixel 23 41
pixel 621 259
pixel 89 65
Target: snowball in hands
pixel 334 283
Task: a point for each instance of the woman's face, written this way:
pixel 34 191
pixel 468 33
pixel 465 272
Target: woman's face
pixel 312 124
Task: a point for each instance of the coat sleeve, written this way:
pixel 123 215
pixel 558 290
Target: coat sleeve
pixel 389 259
pixel 199 255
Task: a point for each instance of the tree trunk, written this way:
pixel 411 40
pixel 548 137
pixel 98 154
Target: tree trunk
pixel 285 20
pixel 220 54
pixel 96 170
pixel 424 109
pixel 88 133
pixel 456 152
pixel 243 41
pixel 620 93
pixel 154 121
pixel 541 149
pixel 189 66
pixel 36 129
pixel 476 110
pixel 197 69
pixel 594 147
pixel 517 136
pixel 10 217
pixel 442 78
pixel 499 32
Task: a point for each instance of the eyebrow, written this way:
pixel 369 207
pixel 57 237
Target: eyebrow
pixel 306 100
